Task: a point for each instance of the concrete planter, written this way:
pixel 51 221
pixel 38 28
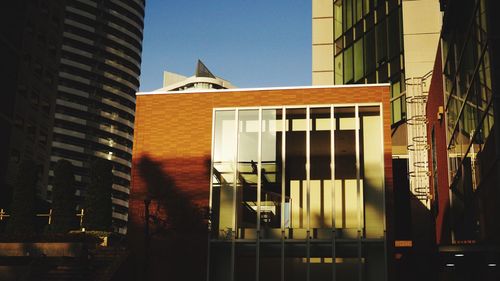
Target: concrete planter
pixel 50 249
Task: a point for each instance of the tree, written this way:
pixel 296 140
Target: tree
pixel 22 219
pixel 98 209
pixel 63 198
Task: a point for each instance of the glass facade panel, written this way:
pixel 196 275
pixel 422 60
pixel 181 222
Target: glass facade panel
pixel 337 10
pixel 321 262
pixel 348 13
pixel 345 193
pixel 248 173
pixel 371 170
pixel 296 262
pixel 394 34
pixel 223 184
pixel 358 60
pixel 270 262
pixel 312 222
pixel 348 65
pixel 295 172
pixel 381 37
pixel 359 9
pixel 369 44
pixel 373 261
pixel 245 261
pixel 370 52
pixel 347 262
pixel 220 262
pixel 321 188
pixel 272 181
pixel 339 70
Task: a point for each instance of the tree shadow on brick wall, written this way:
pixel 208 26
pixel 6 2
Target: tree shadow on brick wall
pixel 175 240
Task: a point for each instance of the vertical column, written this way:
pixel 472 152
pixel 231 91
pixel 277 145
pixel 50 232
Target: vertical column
pixel 259 187
pixel 332 169
pixel 283 192
pixel 210 212
pixel 235 184
pixel 308 184
pixel 358 192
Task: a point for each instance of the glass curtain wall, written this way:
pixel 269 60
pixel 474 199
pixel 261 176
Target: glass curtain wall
pixel 469 113
pixel 369 47
pixel 298 194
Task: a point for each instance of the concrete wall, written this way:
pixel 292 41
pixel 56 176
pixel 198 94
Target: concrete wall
pixel 322 42
pixel 421 30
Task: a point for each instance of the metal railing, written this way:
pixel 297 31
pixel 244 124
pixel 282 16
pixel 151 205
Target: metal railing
pixel 80 215
pixel 416 101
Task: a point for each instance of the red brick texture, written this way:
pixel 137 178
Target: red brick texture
pixel 174 131
pixel 434 101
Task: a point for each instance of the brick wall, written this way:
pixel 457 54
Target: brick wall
pixel 441 199
pixel 173 135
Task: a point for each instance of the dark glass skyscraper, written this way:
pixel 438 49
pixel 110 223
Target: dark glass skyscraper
pixel 30 38
pixel 98 78
pixel 465 146
pixel 368 46
pixel 374 41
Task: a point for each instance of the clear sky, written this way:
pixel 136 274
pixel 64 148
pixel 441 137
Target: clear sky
pixel 251 43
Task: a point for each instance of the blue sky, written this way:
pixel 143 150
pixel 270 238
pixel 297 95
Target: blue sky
pixel 252 43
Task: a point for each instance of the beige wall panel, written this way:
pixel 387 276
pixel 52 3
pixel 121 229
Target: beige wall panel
pixel 421 28
pixel 322 78
pixel 322 8
pixel 420 51
pixel 421 16
pixel 322 31
pixel 322 57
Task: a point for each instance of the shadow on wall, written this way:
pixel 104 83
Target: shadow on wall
pixel 174 243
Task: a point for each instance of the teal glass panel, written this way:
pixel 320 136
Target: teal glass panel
pixel 348 65
pixel 370 47
pixel 339 77
pixel 381 39
pixel 358 60
pixel 359 10
pixel 337 15
pixel 349 13
pixel 394 35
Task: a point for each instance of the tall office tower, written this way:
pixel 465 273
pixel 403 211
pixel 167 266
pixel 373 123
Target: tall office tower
pixel 374 41
pixel 463 112
pixel 98 78
pixel 30 34
pixel 387 41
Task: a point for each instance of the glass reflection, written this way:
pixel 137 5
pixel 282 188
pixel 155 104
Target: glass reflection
pixel 271 173
pixel 299 150
pixel 321 189
pixel 248 157
pixel 345 193
pixel 371 171
pixel 223 174
pixel 295 172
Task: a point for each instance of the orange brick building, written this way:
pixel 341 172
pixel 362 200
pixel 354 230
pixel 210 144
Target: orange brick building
pixel 172 168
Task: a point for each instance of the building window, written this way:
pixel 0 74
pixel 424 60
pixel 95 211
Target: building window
pixel 286 175
pixel 320 174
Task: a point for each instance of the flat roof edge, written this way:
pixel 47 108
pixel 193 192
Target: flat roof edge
pixel 156 92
